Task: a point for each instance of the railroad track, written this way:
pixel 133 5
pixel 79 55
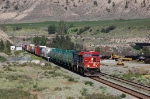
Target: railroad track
pixel 121 87
pixel 130 83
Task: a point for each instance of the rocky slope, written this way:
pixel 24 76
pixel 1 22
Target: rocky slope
pixel 4 36
pixel 72 10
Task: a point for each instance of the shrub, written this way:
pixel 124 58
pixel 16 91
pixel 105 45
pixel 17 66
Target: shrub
pixel 52 29
pixel 90 30
pixel 17 28
pixel 88 83
pixel 108 29
pixel 97 49
pixel 2 59
pixel 126 5
pixel 95 3
pixel 71 79
pixel 16 7
pixel 107 9
pixel 123 95
pixel 75 30
pixel 109 1
pixel 83 30
pixel 113 4
pixel 86 28
pixel 136 47
pixel 35 85
pixel 83 91
pixel 58 89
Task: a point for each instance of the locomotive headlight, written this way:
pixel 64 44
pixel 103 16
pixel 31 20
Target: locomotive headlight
pixel 91 58
pixel 88 65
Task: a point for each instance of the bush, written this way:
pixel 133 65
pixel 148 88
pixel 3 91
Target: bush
pixel 52 29
pixel 108 29
pixel 109 1
pixel 136 47
pixel 83 30
pixel 88 83
pixel 95 3
pixel 97 49
pixel 17 28
pixel 123 95
pixel 126 5
pixel 75 30
pixel 2 59
pixel 16 7
pixel 113 4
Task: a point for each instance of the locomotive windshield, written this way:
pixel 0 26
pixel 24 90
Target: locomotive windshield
pixel 87 55
pixel 95 55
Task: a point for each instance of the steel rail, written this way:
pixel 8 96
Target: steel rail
pixel 133 84
pixel 132 92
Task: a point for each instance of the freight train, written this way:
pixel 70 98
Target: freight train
pixel 86 63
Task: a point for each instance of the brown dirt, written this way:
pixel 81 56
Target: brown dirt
pixel 39 94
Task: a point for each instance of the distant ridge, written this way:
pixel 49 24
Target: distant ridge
pixel 12 11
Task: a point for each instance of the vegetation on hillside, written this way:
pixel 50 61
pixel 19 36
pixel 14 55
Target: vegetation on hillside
pixel 16 94
pixel 39 40
pixel 63 42
pixel 5 47
pixel 2 59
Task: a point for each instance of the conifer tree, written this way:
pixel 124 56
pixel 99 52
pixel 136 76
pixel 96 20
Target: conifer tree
pixel 1 46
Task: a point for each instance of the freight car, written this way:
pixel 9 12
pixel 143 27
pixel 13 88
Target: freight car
pixel 86 63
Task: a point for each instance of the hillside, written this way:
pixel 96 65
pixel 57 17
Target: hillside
pixel 72 10
pixel 4 36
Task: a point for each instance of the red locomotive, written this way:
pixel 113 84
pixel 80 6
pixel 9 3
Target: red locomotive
pixel 89 63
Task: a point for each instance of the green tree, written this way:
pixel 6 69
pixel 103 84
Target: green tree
pixel 52 29
pixel 62 28
pixel 97 49
pixel 136 47
pixel 63 42
pixel 146 50
pixel 7 47
pixel 39 40
pixel 126 5
pixel 2 45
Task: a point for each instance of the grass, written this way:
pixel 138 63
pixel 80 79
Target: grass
pixel 47 80
pixel 2 59
pixel 101 96
pixel 16 94
pixel 16 53
pixel 119 23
